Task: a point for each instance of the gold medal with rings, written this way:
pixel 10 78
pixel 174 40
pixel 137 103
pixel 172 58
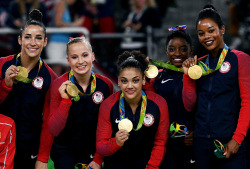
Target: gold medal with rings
pixel 195 72
pixel 72 90
pixel 98 97
pixel 22 74
pixel 148 120
pixel 151 71
pixel 125 124
pixel 38 82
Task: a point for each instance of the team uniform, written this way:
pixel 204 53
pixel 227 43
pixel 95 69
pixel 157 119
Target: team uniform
pixel 169 85
pixel 222 109
pixel 7 142
pixel 28 105
pixel 145 147
pixel 73 123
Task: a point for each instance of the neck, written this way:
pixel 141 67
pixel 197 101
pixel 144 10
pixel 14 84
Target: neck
pixel 29 62
pixel 83 79
pixel 214 53
pixel 133 103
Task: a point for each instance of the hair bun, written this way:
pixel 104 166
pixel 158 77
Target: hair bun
pixel 35 14
pixel 209 6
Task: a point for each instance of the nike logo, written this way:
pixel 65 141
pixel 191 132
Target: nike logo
pixel 91 156
pixel 33 157
pixel 117 121
pixel 164 81
pixel 192 161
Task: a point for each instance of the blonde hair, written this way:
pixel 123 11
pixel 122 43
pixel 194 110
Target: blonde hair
pixel 149 3
pixel 77 40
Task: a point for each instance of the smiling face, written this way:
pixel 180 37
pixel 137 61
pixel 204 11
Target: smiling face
pixel 32 41
pixel 178 50
pixel 210 35
pixel 131 80
pixel 80 58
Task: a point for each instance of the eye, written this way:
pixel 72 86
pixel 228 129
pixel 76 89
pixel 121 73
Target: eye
pixel 26 37
pixel 85 55
pixel 211 31
pixel 73 57
pixel 184 49
pixel 124 81
pixel 39 38
pixel 170 49
pixel 201 34
pixel 136 80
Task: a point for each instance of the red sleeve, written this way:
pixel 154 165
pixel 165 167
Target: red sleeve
pixel 161 136
pixel 8 152
pixel 244 84
pixel 105 145
pixel 46 139
pixel 3 88
pixel 189 95
pixel 98 159
pixel 59 109
pixel 149 85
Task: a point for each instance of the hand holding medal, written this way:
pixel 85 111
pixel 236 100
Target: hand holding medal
pixel 151 71
pixel 191 69
pixel 22 73
pixel 72 90
pixel 125 124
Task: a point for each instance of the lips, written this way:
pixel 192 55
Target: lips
pixel 130 91
pixel 209 43
pixel 81 67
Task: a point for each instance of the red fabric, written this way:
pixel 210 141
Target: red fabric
pixel 108 82
pixel 107 146
pixel 189 95
pixel 3 88
pixel 46 139
pixel 244 84
pixel 59 107
pixel 106 24
pixel 162 133
pixel 98 159
pixel 7 142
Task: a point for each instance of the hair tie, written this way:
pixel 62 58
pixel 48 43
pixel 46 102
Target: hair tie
pixel 180 27
pixel 70 38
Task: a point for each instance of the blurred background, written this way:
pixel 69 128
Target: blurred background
pixel 113 26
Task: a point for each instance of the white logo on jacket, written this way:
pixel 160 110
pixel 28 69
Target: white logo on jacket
pixel 148 120
pixel 225 67
pixel 38 82
pixel 98 97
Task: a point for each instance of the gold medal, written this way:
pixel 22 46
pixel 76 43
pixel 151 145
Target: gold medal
pixel 151 71
pixel 195 72
pixel 22 74
pixel 72 90
pixel 125 124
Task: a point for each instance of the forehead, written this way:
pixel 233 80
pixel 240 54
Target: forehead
pixel 178 41
pixel 78 46
pixel 130 72
pixel 34 30
pixel 207 23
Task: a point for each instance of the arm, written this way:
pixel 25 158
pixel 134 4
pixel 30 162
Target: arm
pixel 4 90
pixel 105 145
pixel 59 108
pixel 161 136
pixel 46 139
pixel 244 84
pixel 189 95
pixel 7 154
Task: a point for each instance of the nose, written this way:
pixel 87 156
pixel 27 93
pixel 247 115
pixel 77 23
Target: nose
pixel 32 41
pixel 177 52
pixel 130 85
pixel 80 60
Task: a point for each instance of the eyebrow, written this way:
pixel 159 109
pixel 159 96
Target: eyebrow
pixel 132 78
pixel 30 34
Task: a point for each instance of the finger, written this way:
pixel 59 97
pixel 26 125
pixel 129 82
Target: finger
pixel 195 59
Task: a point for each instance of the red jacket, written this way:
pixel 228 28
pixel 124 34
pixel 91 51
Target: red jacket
pixel 7 142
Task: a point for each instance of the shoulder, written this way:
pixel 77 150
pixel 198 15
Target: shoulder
pixel 239 53
pixel 155 97
pixel 6 120
pixel 103 78
pixel 58 81
pixel 51 72
pixel 111 100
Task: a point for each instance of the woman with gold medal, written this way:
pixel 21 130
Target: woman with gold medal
pixel 75 100
pixel 25 81
pixel 133 124
pixel 221 97
pixel 168 83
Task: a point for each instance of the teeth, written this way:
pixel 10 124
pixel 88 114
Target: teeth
pixel 177 59
pixel 209 42
pixel 32 49
pixel 81 66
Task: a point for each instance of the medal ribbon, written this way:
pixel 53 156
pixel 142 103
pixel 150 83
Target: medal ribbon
pixel 93 85
pixel 220 147
pixel 143 109
pixel 27 80
pixel 166 65
pixel 205 66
